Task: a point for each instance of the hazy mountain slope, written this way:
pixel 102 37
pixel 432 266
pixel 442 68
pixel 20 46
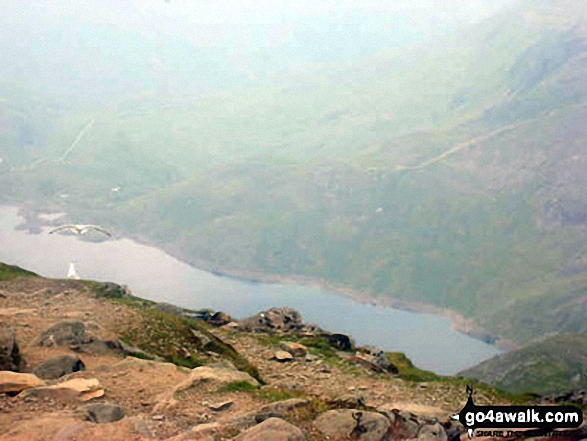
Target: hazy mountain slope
pixel 451 174
pixel 553 365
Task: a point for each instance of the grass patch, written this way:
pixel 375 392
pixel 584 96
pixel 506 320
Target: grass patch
pixel 240 386
pixel 162 334
pixel 10 272
pixel 279 394
pixel 409 372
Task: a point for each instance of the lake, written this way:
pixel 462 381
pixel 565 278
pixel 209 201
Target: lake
pixel 427 339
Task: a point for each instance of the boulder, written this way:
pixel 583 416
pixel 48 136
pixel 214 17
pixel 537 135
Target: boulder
pixel 367 426
pixel 382 361
pixel 295 349
pixel 14 382
pixel 111 290
pixel 57 367
pixel 271 410
pixel 283 356
pixel 218 407
pixel 377 363
pixel 404 425
pixel 453 430
pixel 127 349
pixel 220 373
pixel 77 388
pixel 340 341
pixel 101 413
pixel 64 333
pixel 274 429
pixel 201 340
pixel 432 432
pixel 10 359
pixel 274 320
pixel 219 319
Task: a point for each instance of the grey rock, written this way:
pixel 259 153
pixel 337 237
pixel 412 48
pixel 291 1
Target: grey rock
pixel 57 367
pixel 366 426
pixel 432 432
pixel 10 359
pixel 295 349
pixel 272 410
pixel 382 361
pixel 64 333
pixel 101 413
pixel 273 429
pixel 404 424
pixel 111 291
pixel 274 320
pixel 453 430
pixel 339 341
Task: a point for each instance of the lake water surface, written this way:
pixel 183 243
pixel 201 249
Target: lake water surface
pixel 427 339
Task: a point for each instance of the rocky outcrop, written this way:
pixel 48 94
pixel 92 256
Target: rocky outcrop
pixel 111 291
pixel 366 426
pixel 578 396
pixel 10 359
pixel 340 341
pixel 272 410
pixel 57 367
pixel 432 432
pixel 378 363
pixel 14 382
pixel 295 349
pixel 219 373
pixel 214 318
pixel 283 356
pixel 101 413
pixel 64 333
pixel 274 429
pixel 76 389
pixel 275 320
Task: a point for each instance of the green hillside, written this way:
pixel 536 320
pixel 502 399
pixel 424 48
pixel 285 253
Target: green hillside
pixel 553 365
pixel 9 272
pixel 450 173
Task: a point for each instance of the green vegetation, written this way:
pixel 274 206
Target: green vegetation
pixel 279 394
pixel 168 336
pixel 9 272
pixel 553 365
pixel 240 386
pixel 409 372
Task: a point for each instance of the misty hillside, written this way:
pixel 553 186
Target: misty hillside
pixel 450 172
pixel 553 365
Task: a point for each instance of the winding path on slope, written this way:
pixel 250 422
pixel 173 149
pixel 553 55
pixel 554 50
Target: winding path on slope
pixel 78 138
pixel 481 138
pixel 463 145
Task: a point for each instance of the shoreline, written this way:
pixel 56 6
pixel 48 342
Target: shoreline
pixel 33 221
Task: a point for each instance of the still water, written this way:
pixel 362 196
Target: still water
pixel 427 339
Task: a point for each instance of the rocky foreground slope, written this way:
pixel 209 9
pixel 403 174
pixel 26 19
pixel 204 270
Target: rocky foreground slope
pixel 87 361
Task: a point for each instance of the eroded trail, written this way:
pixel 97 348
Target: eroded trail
pixel 463 145
pixel 481 138
pixel 78 138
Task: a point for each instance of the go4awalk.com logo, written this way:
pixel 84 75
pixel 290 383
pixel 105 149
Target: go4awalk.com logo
pixel 505 420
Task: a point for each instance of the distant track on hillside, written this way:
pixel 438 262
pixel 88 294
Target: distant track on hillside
pixel 481 138
pixel 78 138
pixel 462 145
